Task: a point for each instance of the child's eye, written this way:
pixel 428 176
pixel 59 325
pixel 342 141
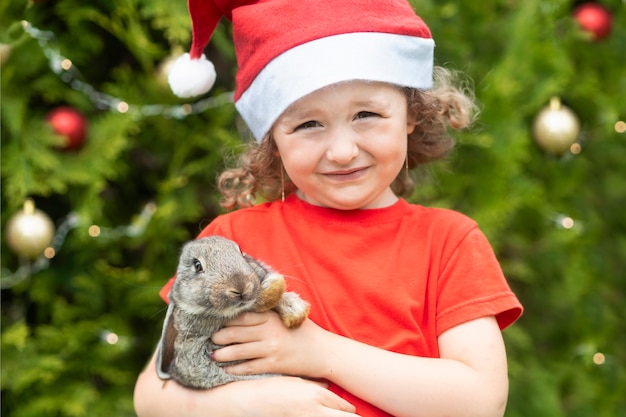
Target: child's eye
pixel 365 114
pixel 307 125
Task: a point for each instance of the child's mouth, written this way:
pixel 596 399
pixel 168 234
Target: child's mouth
pixel 346 175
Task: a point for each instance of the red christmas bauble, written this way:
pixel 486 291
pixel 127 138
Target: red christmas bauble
pixel 595 19
pixel 70 123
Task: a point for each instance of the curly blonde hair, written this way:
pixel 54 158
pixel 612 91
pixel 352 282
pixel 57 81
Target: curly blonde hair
pixel 449 104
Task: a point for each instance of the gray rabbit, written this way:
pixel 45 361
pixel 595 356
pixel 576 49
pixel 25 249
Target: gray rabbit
pixel 215 282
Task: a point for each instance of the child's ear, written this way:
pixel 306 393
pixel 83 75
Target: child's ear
pixel 410 124
pixel 411 120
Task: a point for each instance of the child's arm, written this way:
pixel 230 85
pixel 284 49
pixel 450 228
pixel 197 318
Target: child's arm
pixel 470 378
pixel 264 397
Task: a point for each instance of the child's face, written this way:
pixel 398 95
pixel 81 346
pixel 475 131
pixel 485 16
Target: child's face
pixel 343 145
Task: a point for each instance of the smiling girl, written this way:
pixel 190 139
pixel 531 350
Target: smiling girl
pixel 407 302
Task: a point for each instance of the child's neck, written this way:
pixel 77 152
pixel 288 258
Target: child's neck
pixel 386 199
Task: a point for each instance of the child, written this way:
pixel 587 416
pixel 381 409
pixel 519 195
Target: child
pixel 407 301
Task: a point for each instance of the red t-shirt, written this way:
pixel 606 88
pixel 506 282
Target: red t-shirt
pixel 395 277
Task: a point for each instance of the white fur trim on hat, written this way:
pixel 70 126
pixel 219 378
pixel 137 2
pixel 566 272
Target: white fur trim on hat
pixel 396 59
pixel 191 77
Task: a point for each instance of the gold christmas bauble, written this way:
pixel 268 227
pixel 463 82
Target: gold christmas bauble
pixel 556 127
pixel 29 231
pixel 5 53
pixel 163 70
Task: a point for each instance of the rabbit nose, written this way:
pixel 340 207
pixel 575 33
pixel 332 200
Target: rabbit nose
pixel 236 293
pixel 243 291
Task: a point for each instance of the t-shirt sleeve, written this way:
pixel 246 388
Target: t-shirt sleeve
pixel 214 228
pixel 472 285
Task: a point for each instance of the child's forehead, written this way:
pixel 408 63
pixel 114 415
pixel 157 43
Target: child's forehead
pixel 355 92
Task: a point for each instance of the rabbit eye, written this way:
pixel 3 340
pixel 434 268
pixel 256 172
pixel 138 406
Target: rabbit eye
pixel 198 265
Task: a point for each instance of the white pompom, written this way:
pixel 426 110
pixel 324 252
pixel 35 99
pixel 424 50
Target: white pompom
pixel 191 77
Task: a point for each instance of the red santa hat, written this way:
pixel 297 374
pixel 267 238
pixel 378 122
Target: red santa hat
pixel 287 49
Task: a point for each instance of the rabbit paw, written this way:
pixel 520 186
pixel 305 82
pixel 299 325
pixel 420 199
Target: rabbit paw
pixel 292 309
pixel 272 289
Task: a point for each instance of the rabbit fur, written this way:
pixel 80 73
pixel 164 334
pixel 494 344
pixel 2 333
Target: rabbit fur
pixel 215 282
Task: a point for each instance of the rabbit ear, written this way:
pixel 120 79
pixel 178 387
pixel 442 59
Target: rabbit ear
pixel 272 285
pixel 258 268
pixel 165 349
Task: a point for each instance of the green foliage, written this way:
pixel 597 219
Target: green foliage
pixel 80 327
pixel 58 358
pixel 570 280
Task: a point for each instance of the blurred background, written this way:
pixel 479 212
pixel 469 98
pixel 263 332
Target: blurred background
pixel 105 174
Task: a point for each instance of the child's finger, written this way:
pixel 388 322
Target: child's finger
pixel 249 319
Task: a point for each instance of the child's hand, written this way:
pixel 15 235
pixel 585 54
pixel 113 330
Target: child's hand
pixel 269 347
pixel 286 396
pixel 271 397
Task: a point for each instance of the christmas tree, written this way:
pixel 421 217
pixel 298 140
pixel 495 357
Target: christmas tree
pixel 105 174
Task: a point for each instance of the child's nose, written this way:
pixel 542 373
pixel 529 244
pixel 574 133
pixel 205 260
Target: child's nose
pixel 342 147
